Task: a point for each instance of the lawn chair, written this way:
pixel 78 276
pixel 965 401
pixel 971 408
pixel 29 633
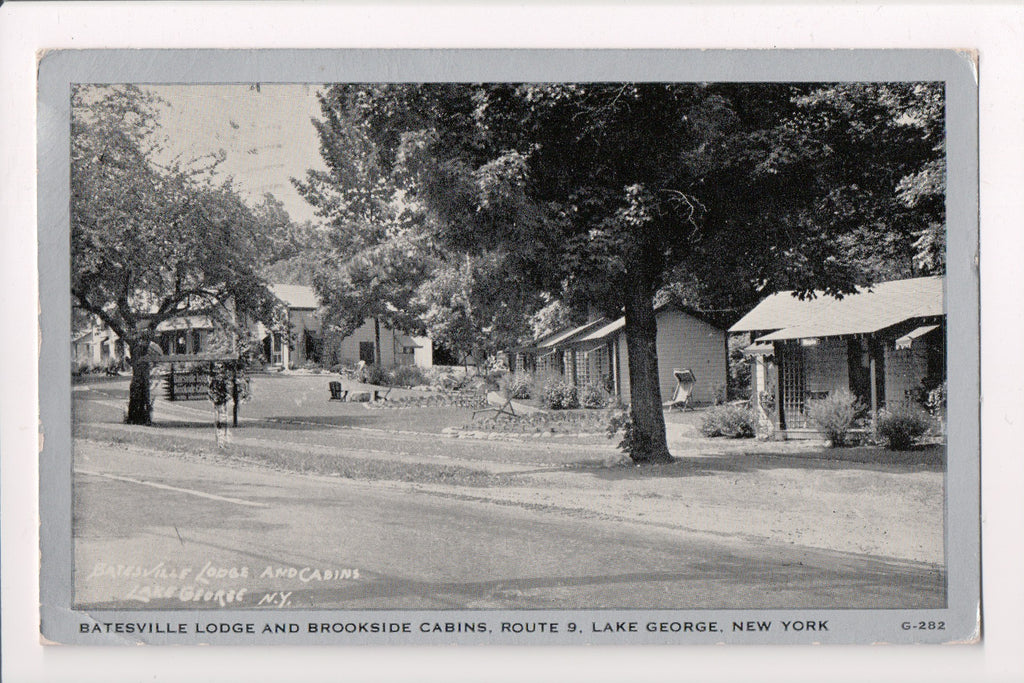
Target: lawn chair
pixel 336 393
pixel 685 381
pixel 505 409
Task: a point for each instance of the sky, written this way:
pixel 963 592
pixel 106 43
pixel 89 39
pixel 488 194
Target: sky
pixel 266 134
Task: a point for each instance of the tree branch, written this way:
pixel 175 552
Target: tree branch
pixel 107 319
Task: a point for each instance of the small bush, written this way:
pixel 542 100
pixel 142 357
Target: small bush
pixel 593 396
pixel 518 386
pixel 560 395
pixel 835 415
pixel 633 442
pixel 902 426
pixel 935 400
pixel 734 422
pixel 408 376
pixel 493 379
pixel 375 374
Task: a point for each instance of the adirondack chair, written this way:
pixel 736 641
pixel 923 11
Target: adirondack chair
pixel 336 393
pixel 685 382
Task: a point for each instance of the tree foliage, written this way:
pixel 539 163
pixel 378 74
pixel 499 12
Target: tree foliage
pixel 473 305
pixel 149 240
pixel 377 251
pixel 606 193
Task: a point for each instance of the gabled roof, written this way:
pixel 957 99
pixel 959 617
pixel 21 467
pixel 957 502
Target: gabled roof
pixel 616 326
pixel 870 310
pixel 407 341
pixel 571 334
pixel 296 296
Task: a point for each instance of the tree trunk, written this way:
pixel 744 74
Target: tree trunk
pixel 645 392
pixel 376 342
pixel 139 405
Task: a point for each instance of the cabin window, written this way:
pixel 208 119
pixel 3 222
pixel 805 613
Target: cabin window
pixel 366 352
pixel 181 342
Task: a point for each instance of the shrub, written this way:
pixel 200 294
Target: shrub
pixel 456 382
pixel 935 400
pixel 902 426
pixel 518 385
pixel 437 376
pixel 633 442
pixel 593 396
pixel 407 376
pixel 493 379
pixel 734 422
pixel 560 395
pixel 375 374
pixel 834 415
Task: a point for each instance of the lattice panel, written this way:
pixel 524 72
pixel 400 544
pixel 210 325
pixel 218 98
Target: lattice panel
pixel 792 384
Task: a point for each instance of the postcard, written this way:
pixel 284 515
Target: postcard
pixel 537 347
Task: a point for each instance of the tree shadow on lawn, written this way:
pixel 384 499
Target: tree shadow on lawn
pixel 922 459
pixel 283 423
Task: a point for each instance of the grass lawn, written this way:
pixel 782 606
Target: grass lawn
pixel 278 399
pixel 863 499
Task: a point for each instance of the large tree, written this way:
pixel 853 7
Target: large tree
pixel 152 240
pixel 607 192
pixel 474 306
pixel 378 251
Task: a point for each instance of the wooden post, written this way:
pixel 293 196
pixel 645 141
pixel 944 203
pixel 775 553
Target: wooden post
pixel 617 372
pixel 756 363
pixel 874 389
pixel 170 395
pixel 234 394
pixel 773 379
pixel 377 352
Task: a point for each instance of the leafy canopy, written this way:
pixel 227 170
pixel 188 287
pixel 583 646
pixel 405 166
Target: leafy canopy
pixel 152 239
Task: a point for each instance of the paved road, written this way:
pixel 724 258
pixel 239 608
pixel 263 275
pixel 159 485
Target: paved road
pixel 158 531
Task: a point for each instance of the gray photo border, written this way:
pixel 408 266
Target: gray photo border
pixel 958 69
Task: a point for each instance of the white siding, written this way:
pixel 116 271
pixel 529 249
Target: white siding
pixel 683 342
pixel 686 342
pixel 349 351
pixel 424 355
pixel 623 372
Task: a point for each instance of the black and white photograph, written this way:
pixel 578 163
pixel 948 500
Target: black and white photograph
pixel 496 360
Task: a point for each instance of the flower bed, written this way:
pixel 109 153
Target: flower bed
pixel 549 423
pixel 433 400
